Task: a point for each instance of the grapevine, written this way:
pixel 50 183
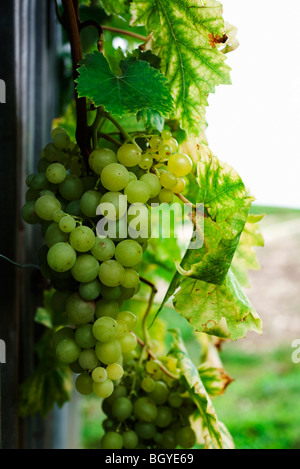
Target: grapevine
pixel 92 196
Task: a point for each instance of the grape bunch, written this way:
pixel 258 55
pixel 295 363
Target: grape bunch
pixel 148 410
pixel 93 273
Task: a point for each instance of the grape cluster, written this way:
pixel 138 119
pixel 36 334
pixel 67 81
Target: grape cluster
pixel 93 274
pixel 148 410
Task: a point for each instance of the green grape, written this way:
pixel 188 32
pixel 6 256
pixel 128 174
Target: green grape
pixel 45 207
pixel 108 352
pixel 119 391
pixel 139 222
pixel 84 384
pixel 153 183
pixel 137 192
pixel 148 384
pixel 88 359
pixel 58 301
pixel 166 196
pixel 67 351
pixel 168 180
pixel 145 409
pixel 101 158
pixel 180 186
pixel 103 390
pixel 54 235
pixel 58 215
pixel 84 336
pixel 99 374
pixel 172 142
pixel 175 399
pixel 132 177
pixel 129 318
pixel 40 182
pixel 73 208
pixel 103 249
pixel 122 409
pixel 51 153
pixel 164 417
pixel 67 224
pixel 30 179
pixel 61 257
pixel 164 152
pixel 186 437
pixel 115 371
pixel 145 430
pixel 129 253
pixel 56 173
pixel 105 329
pixel 146 162
pixel 90 202
pixel 29 214
pixel 166 135
pixel 32 195
pixel 122 328
pixel 168 440
pixel 90 291
pixel 57 130
pixel 82 239
pixel 128 342
pixel 85 269
pixel 179 164
pixel 131 279
pixel 111 273
pixel 71 188
pixel 61 140
pixel 152 367
pixel 113 205
pixel 76 368
pixel 108 308
pixel 114 177
pixel 155 142
pixel 62 334
pixel 160 393
pixel 129 155
pixel 130 439
pixel 112 440
pixel 111 293
pixel 80 312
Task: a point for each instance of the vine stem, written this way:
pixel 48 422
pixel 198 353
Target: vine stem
pixel 71 22
pixel 123 32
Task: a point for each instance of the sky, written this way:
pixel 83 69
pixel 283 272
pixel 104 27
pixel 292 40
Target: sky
pixel 254 124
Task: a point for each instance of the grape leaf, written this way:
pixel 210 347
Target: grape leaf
pixel 220 310
pixel 196 389
pixel 184 34
pixel 138 87
pixel 116 7
pixel 215 380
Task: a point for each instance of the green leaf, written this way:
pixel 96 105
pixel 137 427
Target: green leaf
pixel 219 310
pixel 138 87
pixel 116 7
pixel 151 119
pixel 215 380
pixel 196 389
pixel 183 36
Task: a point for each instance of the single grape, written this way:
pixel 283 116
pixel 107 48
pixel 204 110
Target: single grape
pixel 67 224
pixel 99 374
pixel 145 409
pixel 175 399
pixel 100 158
pixel 172 142
pixel 85 269
pixel 90 291
pixel 61 140
pixel 164 152
pixel 103 249
pixel 145 430
pixel 166 135
pixel 130 439
pixel 62 334
pixel 122 328
pixel 168 440
pixel 108 352
pixel 115 371
pixel 168 180
pixel 61 257
pixel 82 239
pixel 114 177
pixel 113 205
pixel 131 279
pixel 111 293
pixel 129 155
pixel 137 192
pixel 166 196
pixel 29 215
pixel 129 318
pixel 103 390
pixel 112 440
pixel 111 273
pixel 45 207
pixel 71 188
pixel 146 162
pixel 88 359
pixel 180 186
pixel 160 393
pixel 67 351
pixel 84 336
pixel 90 202
pixel 129 253
pixel 55 235
pixel 179 164
pixel 51 153
pixel 128 342
pixel 148 384
pixel 153 183
pixel 79 312
pixel 186 437
pixel 106 308
pixel 122 409
pixel 56 173
pixel 57 130
pixel 105 329
pixel 84 384
pixel 58 215
pixel 164 417
pixel 155 142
